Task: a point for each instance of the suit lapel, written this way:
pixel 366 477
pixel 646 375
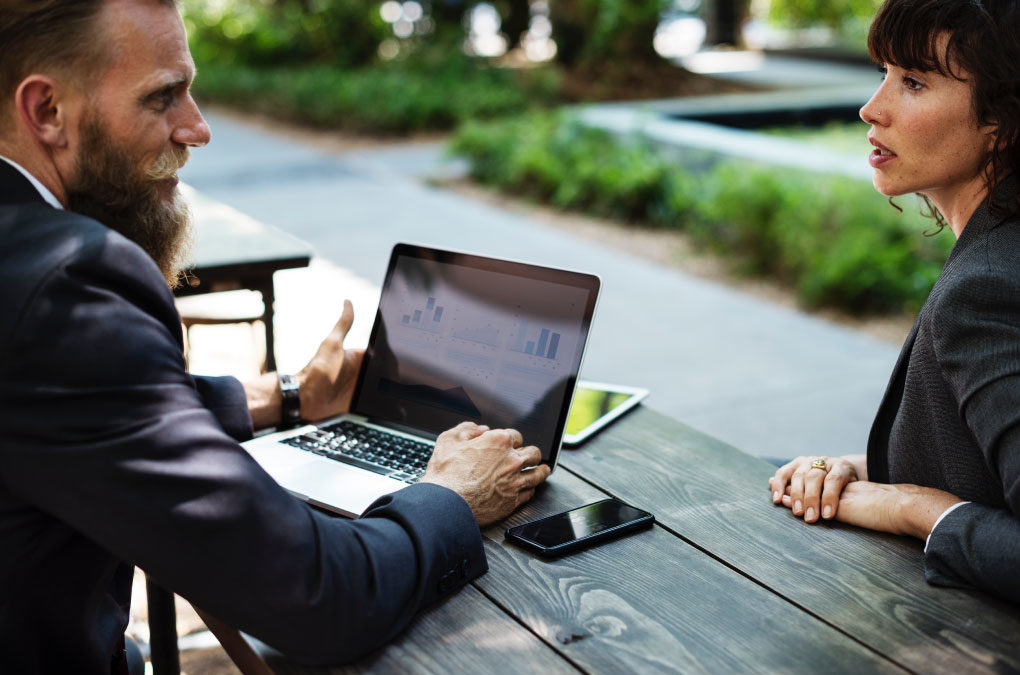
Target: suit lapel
pixel 878 440
pixel 15 188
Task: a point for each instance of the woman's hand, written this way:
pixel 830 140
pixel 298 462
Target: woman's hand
pixel 811 486
pixel 900 508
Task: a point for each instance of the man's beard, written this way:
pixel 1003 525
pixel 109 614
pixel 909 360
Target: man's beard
pixel 110 187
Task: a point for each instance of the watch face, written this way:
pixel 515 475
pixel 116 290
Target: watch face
pixel 291 403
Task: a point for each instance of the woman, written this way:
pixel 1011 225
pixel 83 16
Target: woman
pixel 943 460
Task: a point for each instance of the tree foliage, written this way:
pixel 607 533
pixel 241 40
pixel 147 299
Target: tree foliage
pixel 344 33
pixel 605 30
pixel 833 13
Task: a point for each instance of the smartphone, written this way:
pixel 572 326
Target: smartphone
pixel 579 528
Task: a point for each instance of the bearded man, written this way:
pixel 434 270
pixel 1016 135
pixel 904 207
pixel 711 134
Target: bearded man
pixel 111 454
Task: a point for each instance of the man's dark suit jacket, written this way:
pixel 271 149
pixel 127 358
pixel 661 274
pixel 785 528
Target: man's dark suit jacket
pixel 112 455
pixel 950 418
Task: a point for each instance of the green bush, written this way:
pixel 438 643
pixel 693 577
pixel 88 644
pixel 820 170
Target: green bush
pixel 833 238
pixel 436 90
pixel 832 13
pixel 553 158
pixel 850 19
pixel 343 33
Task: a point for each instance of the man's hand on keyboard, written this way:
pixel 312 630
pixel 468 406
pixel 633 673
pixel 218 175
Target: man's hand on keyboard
pixel 487 468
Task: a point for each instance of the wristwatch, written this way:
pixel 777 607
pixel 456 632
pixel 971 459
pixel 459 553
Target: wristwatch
pixel 290 406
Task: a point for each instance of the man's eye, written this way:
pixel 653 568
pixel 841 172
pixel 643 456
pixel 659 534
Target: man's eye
pixel 162 100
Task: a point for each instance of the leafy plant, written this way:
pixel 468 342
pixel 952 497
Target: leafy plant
pixel 437 90
pixel 278 32
pixel 832 13
pixel 833 238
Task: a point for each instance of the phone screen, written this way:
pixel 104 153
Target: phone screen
pixel 587 521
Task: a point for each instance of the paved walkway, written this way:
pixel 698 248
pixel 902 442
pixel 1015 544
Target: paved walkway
pixel 767 379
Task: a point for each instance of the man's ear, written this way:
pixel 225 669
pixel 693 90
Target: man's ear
pixel 38 104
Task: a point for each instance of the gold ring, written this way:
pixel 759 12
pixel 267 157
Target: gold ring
pixel 819 464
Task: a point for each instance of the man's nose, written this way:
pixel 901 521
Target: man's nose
pixel 192 130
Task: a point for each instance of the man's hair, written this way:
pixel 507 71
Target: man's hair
pixel 984 41
pixel 56 36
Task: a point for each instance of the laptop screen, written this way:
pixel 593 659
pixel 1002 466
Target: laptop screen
pixel 462 337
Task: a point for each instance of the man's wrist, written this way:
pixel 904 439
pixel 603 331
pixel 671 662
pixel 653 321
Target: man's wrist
pixel 290 401
pixel 263 394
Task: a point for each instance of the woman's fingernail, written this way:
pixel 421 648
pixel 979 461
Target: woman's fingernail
pixel 797 506
pixel 775 496
pixel 810 515
pixel 827 512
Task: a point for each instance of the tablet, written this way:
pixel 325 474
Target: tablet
pixel 595 405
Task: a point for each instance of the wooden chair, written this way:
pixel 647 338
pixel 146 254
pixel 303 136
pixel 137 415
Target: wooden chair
pixel 218 309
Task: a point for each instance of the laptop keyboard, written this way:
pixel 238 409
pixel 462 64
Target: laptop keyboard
pixel 371 449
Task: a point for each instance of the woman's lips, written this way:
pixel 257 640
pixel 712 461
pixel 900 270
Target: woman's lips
pixel 881 155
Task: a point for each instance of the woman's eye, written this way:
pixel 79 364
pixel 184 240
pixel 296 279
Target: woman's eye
pixel 883 71
pixel 911 84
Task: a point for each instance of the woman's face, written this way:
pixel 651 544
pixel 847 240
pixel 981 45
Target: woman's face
pixel 927 139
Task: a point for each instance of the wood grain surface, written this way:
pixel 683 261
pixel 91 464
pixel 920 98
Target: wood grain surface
pixel 869 585
pixel 465 634
pixel 651 603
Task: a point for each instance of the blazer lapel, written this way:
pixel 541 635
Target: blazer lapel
pixel 15 188
pixel 878 440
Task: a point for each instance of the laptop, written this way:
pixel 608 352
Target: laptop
pixel 457 337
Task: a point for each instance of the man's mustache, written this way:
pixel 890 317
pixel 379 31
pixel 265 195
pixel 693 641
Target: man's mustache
pixel 168 164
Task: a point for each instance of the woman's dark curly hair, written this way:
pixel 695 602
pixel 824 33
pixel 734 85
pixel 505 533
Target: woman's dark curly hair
pixel 984 41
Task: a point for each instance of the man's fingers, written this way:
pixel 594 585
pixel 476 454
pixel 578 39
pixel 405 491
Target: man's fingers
pixel 343 326
pixel 530 455
pixel 534 477
pixel 516 438
pixel 465 431
pixel 506 438
pixel 523 496
pixel 334 342
pixel 354 358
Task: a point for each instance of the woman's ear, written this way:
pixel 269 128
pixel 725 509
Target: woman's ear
pixel 991 132
pixel 42 112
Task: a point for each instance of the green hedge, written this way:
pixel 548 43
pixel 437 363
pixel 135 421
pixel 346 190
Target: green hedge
pixel 835 239
pixel 434 91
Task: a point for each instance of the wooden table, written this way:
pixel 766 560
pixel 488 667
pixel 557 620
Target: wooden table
pixel 233 251
pixel 724 583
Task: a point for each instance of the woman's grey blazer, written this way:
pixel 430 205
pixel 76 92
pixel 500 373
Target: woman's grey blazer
pixel 950 417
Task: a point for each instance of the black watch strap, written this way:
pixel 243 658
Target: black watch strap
pixel 290 407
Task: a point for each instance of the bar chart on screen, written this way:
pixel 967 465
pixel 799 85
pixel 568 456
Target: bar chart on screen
pixel 541 342
pixel 428 318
